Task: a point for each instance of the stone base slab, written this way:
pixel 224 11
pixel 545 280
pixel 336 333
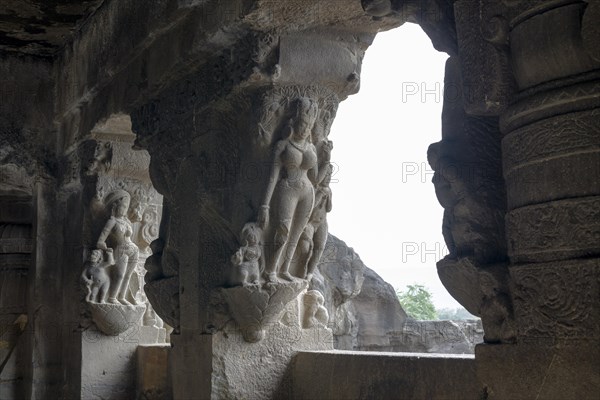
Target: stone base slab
pixel 375 375
pixel 109 369
pixel 560 371
pixel 225 366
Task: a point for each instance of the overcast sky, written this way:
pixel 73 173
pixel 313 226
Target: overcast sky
pixel 384 204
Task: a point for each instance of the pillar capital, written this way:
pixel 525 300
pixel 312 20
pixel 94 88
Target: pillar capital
pixel 241 154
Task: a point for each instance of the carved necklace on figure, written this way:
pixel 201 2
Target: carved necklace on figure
pixel 298 146
pixel 123 223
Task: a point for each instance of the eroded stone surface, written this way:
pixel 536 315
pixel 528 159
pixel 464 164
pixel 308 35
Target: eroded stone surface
pixel 353 375
pixel 113 319
pixel 210 86
pixel 256 371
pixel 256 308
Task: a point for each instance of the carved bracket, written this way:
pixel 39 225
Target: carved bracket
pixel 256 307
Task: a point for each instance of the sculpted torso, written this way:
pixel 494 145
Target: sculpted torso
pixel 296 162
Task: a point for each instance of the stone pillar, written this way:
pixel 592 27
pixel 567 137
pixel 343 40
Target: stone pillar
pixel 121 217
pixel 16 221
pixel 239 151
pixel 546 68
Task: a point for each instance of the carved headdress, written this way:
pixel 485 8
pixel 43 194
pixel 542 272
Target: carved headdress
pixel 114 196
pixel 307 106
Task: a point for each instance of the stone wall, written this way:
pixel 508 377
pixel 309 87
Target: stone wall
pixel 371 375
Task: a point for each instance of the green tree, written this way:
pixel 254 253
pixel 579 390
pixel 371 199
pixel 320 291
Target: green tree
pixel 416 301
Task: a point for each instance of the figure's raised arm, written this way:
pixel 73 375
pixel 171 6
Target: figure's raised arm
pixel 329 205
pixel 110 259
pixel 101 244
pixel 313 173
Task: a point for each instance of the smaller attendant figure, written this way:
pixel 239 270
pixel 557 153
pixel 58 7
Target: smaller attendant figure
pixel 314 236
pixel 315 314
pixel 248 259
pixel 95 276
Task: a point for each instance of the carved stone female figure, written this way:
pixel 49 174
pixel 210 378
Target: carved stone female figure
pixel 118 231
pixel 290 191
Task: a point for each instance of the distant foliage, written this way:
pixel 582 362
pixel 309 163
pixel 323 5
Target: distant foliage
pixel 416 301
pixel 455 314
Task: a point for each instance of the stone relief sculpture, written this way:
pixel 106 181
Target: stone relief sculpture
pixel 114 273
pixel 292 220
pixel 96 277
pixel 290 190
pixel 315 313
pixel 248 259
pixel 119 230
pixel 101 160
pixel 314 237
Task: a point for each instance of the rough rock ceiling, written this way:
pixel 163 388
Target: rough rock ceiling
pixel 41 27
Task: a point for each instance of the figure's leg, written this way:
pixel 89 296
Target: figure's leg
pixel 282 220
pixel 132 260
pixel 89 297
pixel 301 217
pixel 282 232
pixel 305 247
pixel 102 292
pixel 319 241
pixel 254 273
pixel 116 279
pixel 243 274
pixel 95 294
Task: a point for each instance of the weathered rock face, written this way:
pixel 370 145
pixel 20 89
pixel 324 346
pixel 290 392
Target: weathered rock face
pixel 41 27
pixel 364 308
pixel 378 313
pixel 366 313
pixel 454 337
pixel 340 277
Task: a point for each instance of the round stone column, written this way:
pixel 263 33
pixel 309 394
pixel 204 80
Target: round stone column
pixel 551 162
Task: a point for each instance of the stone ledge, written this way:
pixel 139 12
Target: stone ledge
pixel 379 375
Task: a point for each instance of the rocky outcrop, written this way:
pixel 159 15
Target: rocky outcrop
pixel 340 276
pixel 378 313
pixel 365 313
pixel 453 337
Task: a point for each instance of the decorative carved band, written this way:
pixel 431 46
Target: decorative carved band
pixel 566 176
pixel 530 8
pixel 578 97
pixel 553 231
pixel 554 136
pixel 557 300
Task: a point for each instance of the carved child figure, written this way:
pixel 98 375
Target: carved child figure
pixel 95 276
pixel 248 259
pixel 314 237
pixel 315 313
